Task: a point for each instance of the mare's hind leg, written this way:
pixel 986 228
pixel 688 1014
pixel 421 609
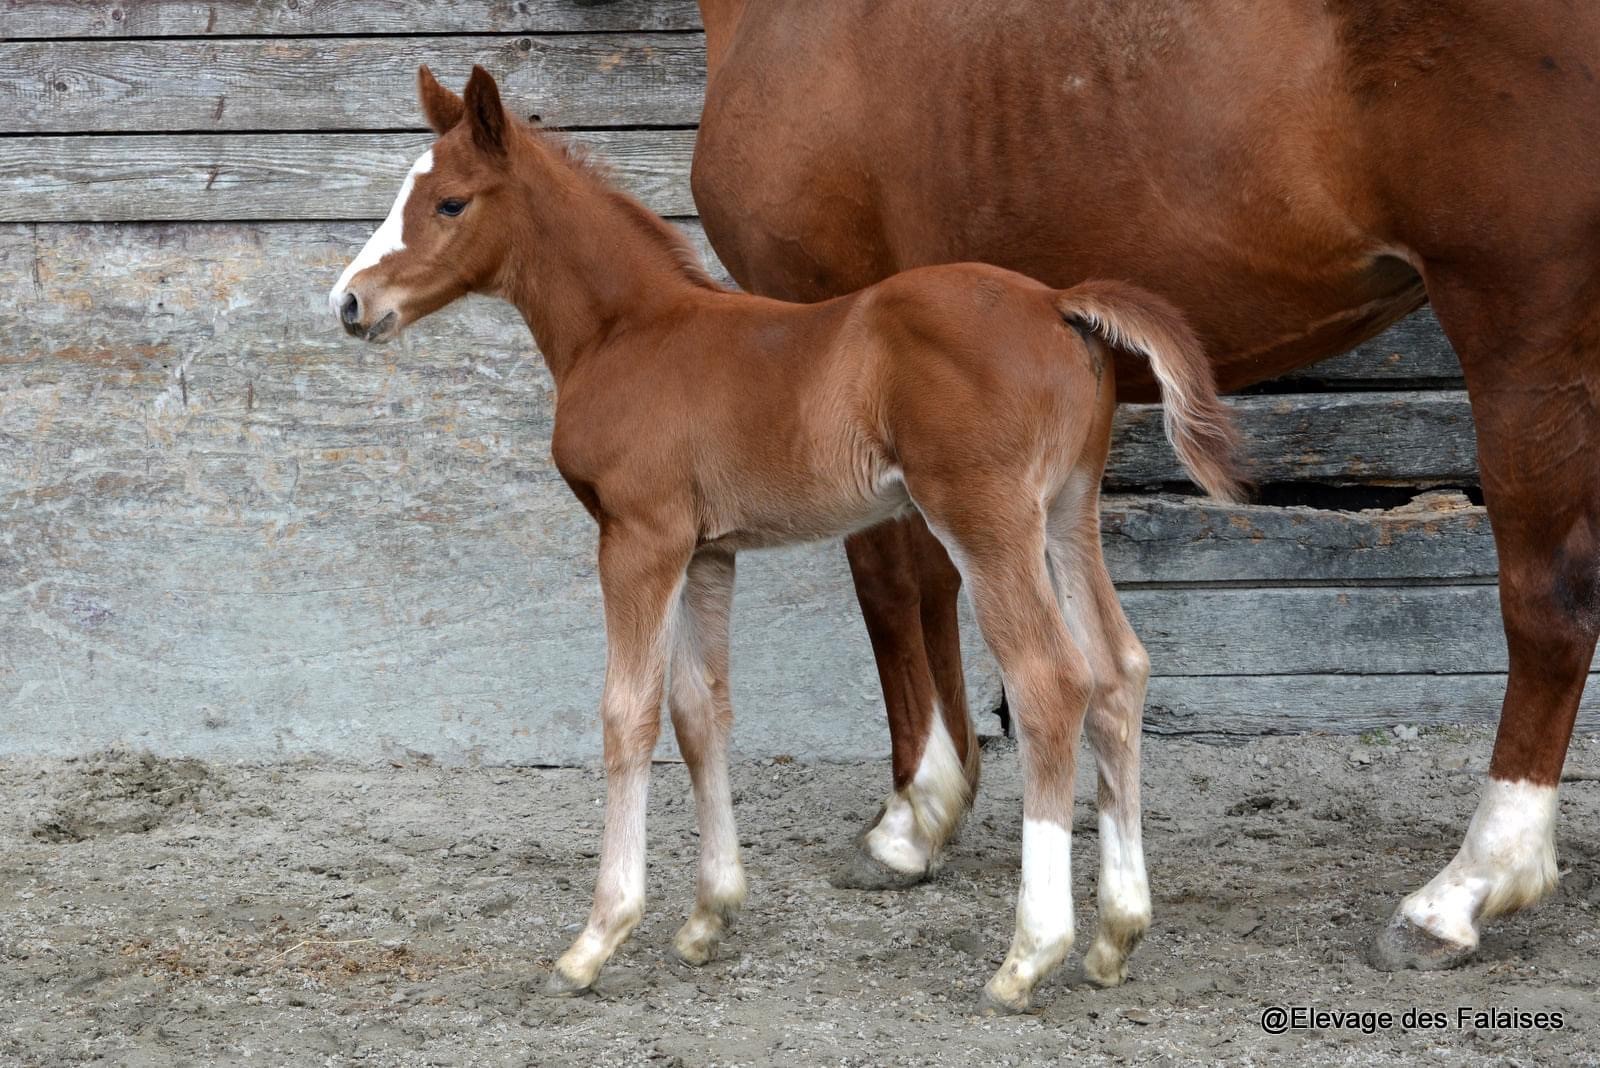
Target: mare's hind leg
pixel 1002 558
pixel 1529 343
pixel 907 588
pixel 702 717
pixel 1121 669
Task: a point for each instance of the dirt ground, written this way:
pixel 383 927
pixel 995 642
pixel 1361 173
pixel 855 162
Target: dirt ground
pixel 173 913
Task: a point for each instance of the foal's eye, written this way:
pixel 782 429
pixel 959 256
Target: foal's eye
pixel 452 207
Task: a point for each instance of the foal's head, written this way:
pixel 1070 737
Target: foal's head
pixel 448 233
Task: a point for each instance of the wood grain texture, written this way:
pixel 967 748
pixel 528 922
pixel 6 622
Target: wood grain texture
pixel 1218 709
pixel 1401 437
pixel 273 176
pixel 190 18
pixel 1416 437
pixel 1197 540
pixel 1412 350
pixel 346 83
pixel 1327 630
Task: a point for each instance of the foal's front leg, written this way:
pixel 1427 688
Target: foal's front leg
pixel 640 578
pixel 702 717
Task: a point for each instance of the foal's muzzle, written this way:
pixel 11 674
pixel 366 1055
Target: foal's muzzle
pixel 351 314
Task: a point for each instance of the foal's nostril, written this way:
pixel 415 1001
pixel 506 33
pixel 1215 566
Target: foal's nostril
pixel 350 310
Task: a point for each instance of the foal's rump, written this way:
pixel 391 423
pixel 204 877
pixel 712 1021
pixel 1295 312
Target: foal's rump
pixel 983 358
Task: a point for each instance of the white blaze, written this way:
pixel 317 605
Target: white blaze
pixel 387 237
pixel 1507 860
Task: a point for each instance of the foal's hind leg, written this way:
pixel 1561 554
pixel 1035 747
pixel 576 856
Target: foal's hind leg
pixel 702 716
pixel 1002 557
pixel 1121 669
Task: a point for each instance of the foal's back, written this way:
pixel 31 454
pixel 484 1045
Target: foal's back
pixel 782 422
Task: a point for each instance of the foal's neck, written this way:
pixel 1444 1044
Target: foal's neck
pixel 591 262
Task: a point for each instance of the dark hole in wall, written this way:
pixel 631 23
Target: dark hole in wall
pixel 1279 386
pixel 1332 498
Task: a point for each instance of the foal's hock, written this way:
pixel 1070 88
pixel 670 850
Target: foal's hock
pixel 693 422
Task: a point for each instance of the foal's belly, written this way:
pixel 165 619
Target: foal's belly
pixel 811 513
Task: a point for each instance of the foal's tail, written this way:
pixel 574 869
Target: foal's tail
pixel 1138 322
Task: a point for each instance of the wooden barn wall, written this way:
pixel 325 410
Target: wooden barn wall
pixel 227 530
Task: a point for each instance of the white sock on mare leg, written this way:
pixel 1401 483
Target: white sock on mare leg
pixel 1506 861
pixel 918 820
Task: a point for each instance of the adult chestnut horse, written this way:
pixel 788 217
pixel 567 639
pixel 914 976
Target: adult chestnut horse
pixel 1296 175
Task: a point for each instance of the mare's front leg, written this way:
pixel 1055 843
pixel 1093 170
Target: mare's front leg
pixel 702 717
pixel 907 589
pixel 641 572
pixel 1529 340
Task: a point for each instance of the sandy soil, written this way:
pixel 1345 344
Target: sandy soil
pixel 169 913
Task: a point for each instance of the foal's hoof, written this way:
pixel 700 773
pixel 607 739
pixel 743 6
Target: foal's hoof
pixel 863 871
pixel 561 985
pixel 694 954
pixel 1402 944
pixel 1105 966
pixel 992 1004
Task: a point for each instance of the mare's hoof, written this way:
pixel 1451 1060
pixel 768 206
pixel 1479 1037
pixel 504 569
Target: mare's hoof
pixel 561 985
pixel 1402 944
pixel 991 1005
pixel 863 871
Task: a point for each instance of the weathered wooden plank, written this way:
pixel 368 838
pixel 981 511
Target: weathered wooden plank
pixel 1172 539
pixel 160 293
pixel 1421 437
pixel 1246 706
pixel 273 176
pixel 1395 630
pixel 1414 349
pixel 186 18
pixel 347 83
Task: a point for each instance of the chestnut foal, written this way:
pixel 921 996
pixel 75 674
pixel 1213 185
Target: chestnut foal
pixel 693 422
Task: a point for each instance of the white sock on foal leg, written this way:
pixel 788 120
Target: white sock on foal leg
pixel 1124 900
pixel 1506 861
pixel 619 893
pixel 720 889
pixel 1044 931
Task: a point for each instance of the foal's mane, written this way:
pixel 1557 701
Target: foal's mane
pixel 599 176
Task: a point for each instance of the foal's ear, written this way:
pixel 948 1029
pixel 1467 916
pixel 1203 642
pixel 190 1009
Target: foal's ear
pixel 440 106
pixel 485 115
